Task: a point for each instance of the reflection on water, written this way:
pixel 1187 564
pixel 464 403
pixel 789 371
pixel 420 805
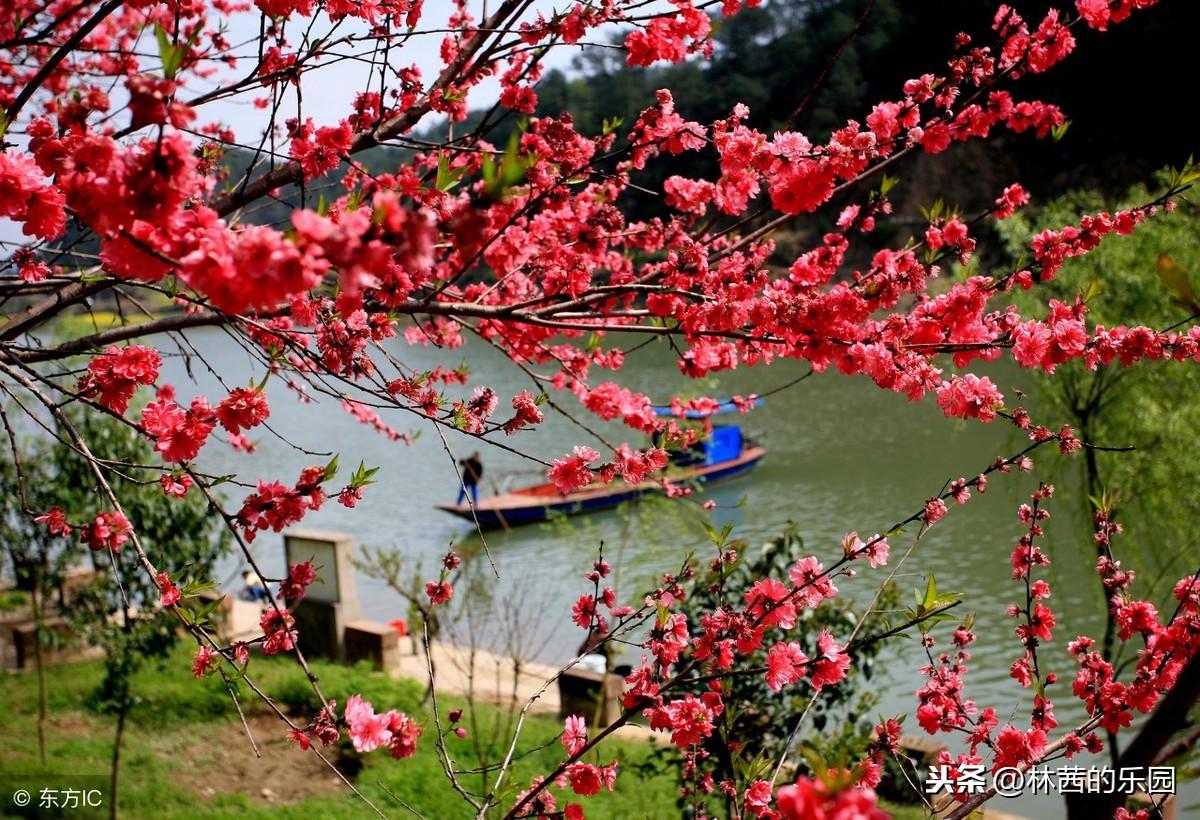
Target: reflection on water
pixel 842 455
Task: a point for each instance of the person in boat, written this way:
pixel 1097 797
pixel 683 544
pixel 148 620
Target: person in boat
pixel 472 471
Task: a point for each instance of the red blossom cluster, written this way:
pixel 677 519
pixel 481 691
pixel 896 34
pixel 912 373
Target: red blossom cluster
pixel 114 375
pixel 1110 703
pixel 528 250
pixel 279 631
pixel 275 506
pixel 108 530
pixel 299 577
pixel 369 731
pixel 322 728
pixel 168 593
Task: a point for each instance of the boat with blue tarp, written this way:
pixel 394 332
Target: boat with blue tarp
pixel 725 453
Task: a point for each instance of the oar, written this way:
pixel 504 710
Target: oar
pixel 500 515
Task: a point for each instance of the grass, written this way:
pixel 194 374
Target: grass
pixel 186 755
pixel 77 323
pixel 74 325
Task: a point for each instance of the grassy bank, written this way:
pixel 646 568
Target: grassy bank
pixel 187 755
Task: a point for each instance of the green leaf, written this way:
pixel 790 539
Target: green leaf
pixel 362 476
pixel 170 54
pixel 447 177
pixel 1059 131
pixel 1187 175
pixel 934 211
pixel 488 167
pixel 195 586
pixel 497 179
pixel 887 184
pixel 330 469
pixel 930 592
pixel 1094 289
pixel 3 122
pixel 1176 279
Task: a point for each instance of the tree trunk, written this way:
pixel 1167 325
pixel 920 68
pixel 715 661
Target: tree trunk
pixel 40 661
pixel 1146 747
pixel 1083 417
pixel 116 758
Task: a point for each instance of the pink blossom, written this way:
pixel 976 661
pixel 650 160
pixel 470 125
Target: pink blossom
pixel 786 664
pixel 571 472
pixel 205 661
pixel 169 593
pixel 574 736
pixel 439 592
pixel 55 520
pixel 935 510
pixel 831 664
pixel 368 730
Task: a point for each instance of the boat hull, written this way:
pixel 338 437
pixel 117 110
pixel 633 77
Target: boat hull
pixel 534 504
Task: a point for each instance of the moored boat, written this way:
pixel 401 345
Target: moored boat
pixel 724 454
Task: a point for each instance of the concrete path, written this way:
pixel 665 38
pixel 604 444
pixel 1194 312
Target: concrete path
pixel 490 678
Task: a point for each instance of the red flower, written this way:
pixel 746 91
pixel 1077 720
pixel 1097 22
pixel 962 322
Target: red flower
pixel 970 396
pixel 299 577
pixel 758 798
pixel 205 661
pixel 527 412
pixel 574 736
pixel 439 592
pixel 405 732
pixel 113 376
pixel 24 197
pixel 242 409
pixel 179 434
pixel 279 629
pixel 831 664
pixel 55 520
pixel 1016 748
pixel 786 664
pixel 175 486
pixel 368 730
pixel 586 779
pixel 571 472
pixel 109 530
pixel 935 510
pixel 169 592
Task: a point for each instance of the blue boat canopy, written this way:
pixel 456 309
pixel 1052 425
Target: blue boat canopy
pixel 727 406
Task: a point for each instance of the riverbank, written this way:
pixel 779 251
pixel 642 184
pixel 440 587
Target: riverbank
pixel 186 754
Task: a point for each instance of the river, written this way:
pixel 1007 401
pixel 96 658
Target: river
pixel 842 455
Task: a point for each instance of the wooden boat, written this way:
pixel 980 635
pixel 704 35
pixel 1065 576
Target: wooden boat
pixel 724 454
pixel 539 502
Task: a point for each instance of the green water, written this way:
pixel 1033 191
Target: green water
pixel 842 455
